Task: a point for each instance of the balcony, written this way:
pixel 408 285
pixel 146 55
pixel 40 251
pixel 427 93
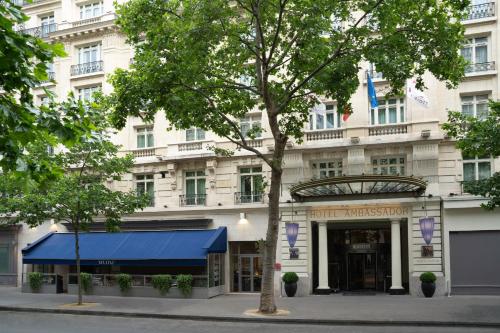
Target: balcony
pixel 42 31
pixel 248 197
pixel 480 11
pixel 325 135
pixel 190 146
pixel 51 76
pixel 87 21
pixel 144 152
pixel 480 67
pixel 192 200
pixel 87 68
pixel 26 3
pixel 379 130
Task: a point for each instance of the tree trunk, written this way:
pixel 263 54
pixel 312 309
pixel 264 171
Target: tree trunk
pixel 267 302
pixel 77 253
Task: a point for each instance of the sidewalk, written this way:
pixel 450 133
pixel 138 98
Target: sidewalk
pixel 334 309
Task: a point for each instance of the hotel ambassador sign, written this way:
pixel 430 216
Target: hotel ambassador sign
pixel 358 212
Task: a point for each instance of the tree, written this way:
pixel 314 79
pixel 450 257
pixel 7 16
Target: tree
pixel 77 196
pixel 206 63
pixel 23 66
pixel 479 137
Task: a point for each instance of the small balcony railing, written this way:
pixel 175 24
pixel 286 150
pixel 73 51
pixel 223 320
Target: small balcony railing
pixel 41 31
pixel 480 67
pixel 25 3
pixel 322 135
pixel 387 130
pixel 190 146
pixel 192 199
pixel 144 152
pixel 51 76
pixel 480 11
pixel 87 68
pixel 248 197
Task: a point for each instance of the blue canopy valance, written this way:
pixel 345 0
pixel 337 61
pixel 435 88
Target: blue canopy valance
pixel 132 248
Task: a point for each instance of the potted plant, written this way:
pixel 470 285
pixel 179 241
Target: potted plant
pixel 290 279
pixel 124 282
pixel 35 280
pixel 185 284
pixel 428 280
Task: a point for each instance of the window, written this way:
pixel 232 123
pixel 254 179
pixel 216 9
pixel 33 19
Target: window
pixel 393 165
pixel 326 117
pixel 48 25
pixel 475 51
pixel 194 134
pixel 144 184
pixel 88 54
pixel 86 94
pixel 475 106
pixel 476 168
pixel 195 188
pixel 251 185
pixel 91 10
pixel 389 111
pixel 5 258
pixel 251 122
pixel 145 138
pixel 327 169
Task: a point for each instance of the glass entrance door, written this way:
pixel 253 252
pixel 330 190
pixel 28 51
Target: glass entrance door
pixel 250 273
pixel 362 271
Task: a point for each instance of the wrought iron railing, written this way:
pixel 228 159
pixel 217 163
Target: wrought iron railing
pixel 110 280
pixel 480 11
pixel 480 67
pixel 248 197
pixel 192 199
pixel 387 130
pixel 40 31
pixel 87 68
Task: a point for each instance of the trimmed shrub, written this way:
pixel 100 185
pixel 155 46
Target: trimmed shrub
pixel 124 282
pixel 35 280
pixel 185 283
pixel 427 277
pixel 86 280
pixel 290 277
pixel 162 283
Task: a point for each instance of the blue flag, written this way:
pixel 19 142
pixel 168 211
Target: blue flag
pixel 372 95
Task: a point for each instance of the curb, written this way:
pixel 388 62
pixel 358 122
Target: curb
pixel 299 321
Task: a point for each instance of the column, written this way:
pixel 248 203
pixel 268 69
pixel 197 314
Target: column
pixel 396 287
pixel 323 287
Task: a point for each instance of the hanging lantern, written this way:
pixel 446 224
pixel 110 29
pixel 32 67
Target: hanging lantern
pixel 427 228
pixel 292 230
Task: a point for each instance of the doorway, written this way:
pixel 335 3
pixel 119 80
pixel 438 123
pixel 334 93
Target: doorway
pixel 362 271
pixel 246 267
pixel 250 273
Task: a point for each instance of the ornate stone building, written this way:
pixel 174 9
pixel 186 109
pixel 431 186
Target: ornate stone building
pixel 354 193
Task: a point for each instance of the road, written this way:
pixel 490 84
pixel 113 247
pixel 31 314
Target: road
pixel 16 322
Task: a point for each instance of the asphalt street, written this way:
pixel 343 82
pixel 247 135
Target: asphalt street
pixel 16 322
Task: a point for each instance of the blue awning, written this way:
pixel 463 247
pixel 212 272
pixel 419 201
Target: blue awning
pixel 133 248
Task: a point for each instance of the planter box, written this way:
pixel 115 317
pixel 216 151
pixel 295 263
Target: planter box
pixel 44 289
pixel 174 292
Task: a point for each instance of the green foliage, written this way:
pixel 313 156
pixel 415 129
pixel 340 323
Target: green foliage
pixel 162 282
pixel 86 279
pixel 479 137
pixel 35 280
pixel 23 66
pixel 290 277
pixel 190 56
pixel 185 283
pixel 428 277
pixel 124 282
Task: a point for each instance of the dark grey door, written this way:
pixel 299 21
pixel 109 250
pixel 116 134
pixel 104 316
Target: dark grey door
pixel 474 262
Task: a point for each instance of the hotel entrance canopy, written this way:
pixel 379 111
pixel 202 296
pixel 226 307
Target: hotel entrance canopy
pixel 135 248
pixel 358 187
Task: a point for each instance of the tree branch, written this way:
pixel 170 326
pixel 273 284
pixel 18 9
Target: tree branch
pixel 277 32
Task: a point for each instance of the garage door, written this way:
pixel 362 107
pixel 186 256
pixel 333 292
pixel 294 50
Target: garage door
pixel 475 262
